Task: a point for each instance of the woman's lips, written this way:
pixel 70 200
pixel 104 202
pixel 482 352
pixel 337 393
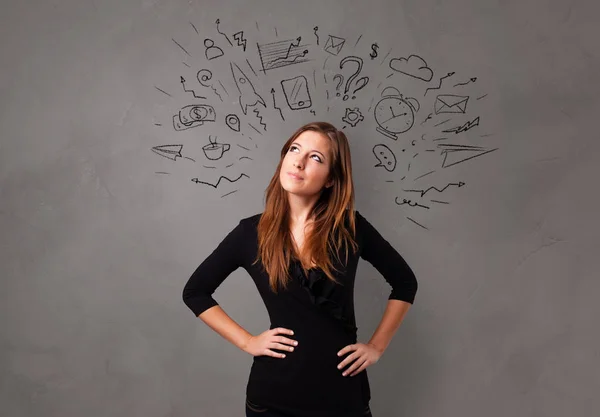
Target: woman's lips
pixel 294 176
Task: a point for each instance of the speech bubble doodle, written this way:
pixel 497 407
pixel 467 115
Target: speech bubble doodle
pixel 385 156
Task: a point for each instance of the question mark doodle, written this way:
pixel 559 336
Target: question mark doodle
pixel 362 82
pixel 337 88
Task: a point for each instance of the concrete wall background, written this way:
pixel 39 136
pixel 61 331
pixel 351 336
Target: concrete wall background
pixel 102 223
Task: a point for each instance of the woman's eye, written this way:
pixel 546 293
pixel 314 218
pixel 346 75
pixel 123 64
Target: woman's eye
pixel 318 159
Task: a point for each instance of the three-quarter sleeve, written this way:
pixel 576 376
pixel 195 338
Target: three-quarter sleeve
pixel 226 258
pixel 382 255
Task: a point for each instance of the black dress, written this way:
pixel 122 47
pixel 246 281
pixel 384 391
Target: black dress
pixel 306 383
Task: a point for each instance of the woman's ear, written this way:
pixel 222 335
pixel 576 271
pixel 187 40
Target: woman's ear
pixel 329 184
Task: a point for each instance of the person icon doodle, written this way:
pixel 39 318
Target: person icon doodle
pixel 212 51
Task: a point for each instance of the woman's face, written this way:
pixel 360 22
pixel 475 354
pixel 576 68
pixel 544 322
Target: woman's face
pixel 306 165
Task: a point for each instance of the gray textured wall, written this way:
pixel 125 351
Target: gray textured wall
pixel 102 222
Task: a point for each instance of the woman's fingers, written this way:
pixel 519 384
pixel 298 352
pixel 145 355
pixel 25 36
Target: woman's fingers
pixel 281 346
pixel 269 352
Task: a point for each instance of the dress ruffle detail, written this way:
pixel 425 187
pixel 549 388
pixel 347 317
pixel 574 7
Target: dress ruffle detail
pixel 321 291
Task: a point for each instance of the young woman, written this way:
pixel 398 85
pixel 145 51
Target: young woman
pixel 302 253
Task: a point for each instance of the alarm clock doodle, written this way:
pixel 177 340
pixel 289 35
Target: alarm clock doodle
pixel 394 113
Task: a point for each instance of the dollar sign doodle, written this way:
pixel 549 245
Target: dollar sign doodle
pixel 374 48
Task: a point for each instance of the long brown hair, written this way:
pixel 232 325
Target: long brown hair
pixel 333 228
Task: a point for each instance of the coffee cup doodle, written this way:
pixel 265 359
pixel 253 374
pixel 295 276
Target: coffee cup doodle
pixel 214 150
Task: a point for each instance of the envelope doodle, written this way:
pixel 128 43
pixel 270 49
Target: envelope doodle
pixel 449 103
pixel 334 45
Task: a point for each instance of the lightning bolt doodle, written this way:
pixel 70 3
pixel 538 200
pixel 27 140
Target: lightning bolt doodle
pixel 239 37
pixel 463 128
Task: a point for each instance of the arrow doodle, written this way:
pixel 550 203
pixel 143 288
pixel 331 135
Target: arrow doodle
pixel 423 192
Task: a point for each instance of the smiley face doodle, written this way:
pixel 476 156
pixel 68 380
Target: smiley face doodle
pixel 385 156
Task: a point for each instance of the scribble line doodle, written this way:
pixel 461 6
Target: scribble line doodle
pixel 455 154
pixel 197 33
pixel 162 172
pixel 229 193
pixel 315 78
pixel 374 48
pixel 214 150
pixel 440 202
pixel 394 113
pixel 386 55
pixel 241 41
pixel 450 74
pixel 468 125
pixel 211 52
pixel 410 203
pixel 190 91
pixel 334 45
pixel 275 104
pixel 248 95
pixel 163 91
pixel 217 22
pixel 282 54
pixel 450 103
pixel 260 119
pixel 423 192
pixel 442 122
pixel 361 83
pixel 193 115
pixel 353 116
pixel 358 40
pixel 182 48
pixel 222 177
pixel 255 129
pixel 186 64
pixel 224 89
pixel 204 76
pixel 296 92
pixel 315 30
pixel 479 98
pixel 471 80
pixel 245 157
pixel 171 152
pixel 424 175
pixel 251 68
pixel 243 147
pixel 233 122
pixel 427 118
pixel 385 156
pixel 418 224
pixel 413 66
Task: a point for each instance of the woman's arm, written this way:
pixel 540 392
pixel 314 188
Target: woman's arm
pixel 216 318
pixel 392 318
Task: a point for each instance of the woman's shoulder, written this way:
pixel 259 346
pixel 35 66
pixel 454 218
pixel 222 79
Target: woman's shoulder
pixel 250 222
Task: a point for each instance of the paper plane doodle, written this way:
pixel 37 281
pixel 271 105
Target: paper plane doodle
pixel 449 103
pixel 168 151
pixel 455 154
pixel 334 45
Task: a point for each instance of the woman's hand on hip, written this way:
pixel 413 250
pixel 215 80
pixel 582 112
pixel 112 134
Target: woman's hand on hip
pixel 262 344
pixel 362 356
